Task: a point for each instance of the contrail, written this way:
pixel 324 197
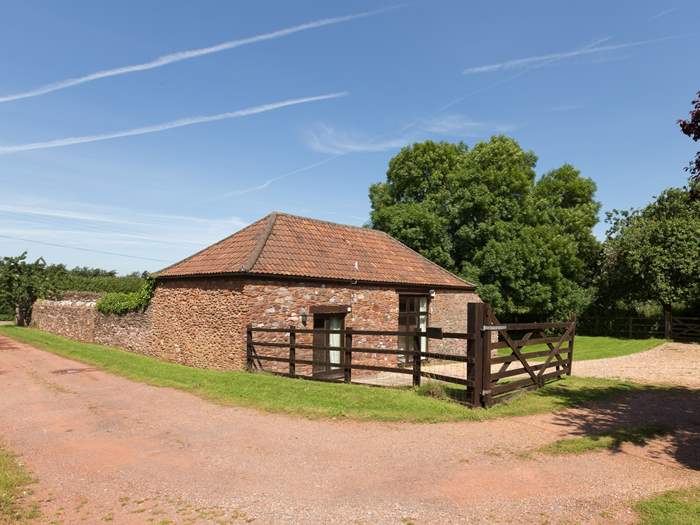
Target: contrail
pixel 536 60
pixel 269 182
pixel 186 55
pixel 57 143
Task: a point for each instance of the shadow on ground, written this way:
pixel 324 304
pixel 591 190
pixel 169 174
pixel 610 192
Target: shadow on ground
pixel 674 408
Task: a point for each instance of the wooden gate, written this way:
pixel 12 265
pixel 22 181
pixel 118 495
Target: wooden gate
pixel 685 328
pixel 497 352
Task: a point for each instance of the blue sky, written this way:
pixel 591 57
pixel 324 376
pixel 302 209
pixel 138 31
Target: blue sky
pixel 329 92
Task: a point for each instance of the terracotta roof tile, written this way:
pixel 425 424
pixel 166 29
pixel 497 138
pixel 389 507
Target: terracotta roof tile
pixel 287 245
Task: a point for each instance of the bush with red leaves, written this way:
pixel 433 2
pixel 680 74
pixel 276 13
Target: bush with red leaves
pixel 691 127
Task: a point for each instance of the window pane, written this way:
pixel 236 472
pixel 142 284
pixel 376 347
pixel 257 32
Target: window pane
pixel 335 324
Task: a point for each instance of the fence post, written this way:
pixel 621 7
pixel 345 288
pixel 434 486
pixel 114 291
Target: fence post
pixel 667 322
pixel 486 359
pixel 249 347
pixel 629 327
pixel 347 371
pixel 416 360
pixel 292 351
pixel 475 322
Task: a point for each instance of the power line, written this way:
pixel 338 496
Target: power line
pixel 83 249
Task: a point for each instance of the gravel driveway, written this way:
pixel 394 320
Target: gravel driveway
pixel 106 449
pixel 669 364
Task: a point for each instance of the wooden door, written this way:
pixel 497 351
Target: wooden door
pixel 413 317
pixel 328 363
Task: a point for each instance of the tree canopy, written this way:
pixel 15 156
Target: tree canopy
pixel 653 254
pixel 482 213
pixel 22 283
pixel 86 279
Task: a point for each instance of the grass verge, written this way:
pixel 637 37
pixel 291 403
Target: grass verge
pixel 13 480
pixel 590 347
pixel 316 399
pixel 678 507
pixel 611 440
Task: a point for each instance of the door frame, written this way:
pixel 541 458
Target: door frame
pixel 325 368
pixel 407 359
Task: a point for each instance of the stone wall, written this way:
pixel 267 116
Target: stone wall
pixel 72 318
pixel 130 331
pixel 200 322
pixel 448 310
pixel 78 318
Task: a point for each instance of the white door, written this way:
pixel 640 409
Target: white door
pixel 334 341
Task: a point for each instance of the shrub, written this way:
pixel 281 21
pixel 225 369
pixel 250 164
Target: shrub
pixel 432 389
pixel 79 283
pixel 120 303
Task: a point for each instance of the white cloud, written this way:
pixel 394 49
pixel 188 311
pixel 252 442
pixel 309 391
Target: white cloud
pixel 664 13
pixel 121 232
pixel 539 60
pixel 269 182
pixel 57 143
pixel 459 125
pixel 60 214
pixel 186 55
pixel 326 139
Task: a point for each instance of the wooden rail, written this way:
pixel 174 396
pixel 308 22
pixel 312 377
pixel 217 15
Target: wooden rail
pixel 353 357
pixel 670 326
pixel 488 378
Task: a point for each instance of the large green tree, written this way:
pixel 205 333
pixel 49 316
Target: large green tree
pixel 22 283
pixel 481 212
pixel 653 254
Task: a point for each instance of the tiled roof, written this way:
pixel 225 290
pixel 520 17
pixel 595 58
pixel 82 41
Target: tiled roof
pixel 291 246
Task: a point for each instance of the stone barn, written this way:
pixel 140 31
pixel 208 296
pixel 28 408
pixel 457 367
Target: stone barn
pixel 286 270
pixel 280 271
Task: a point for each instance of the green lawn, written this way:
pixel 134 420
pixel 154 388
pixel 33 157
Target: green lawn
pixel 315 399
pixel 589 347
pixel 678 507
pixel 610 440
pixel 13 481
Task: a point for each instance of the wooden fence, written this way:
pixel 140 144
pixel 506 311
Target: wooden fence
pixel 685 328
pixel 484 367
pixel 353 357
pixel 672 327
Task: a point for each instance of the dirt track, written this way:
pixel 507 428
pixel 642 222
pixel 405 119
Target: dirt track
pixel 670 364
pixel 105 448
